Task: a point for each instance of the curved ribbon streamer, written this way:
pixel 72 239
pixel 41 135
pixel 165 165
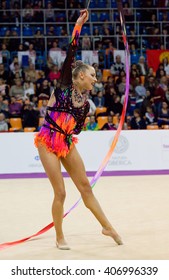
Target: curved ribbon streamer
pixel 113 145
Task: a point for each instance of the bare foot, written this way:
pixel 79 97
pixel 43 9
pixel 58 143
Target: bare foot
pixel 112 233
pixel 62 244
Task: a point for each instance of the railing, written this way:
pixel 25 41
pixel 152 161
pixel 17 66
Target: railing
pixel 25 31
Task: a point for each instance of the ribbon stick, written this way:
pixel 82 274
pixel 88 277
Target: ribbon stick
pixel 114 142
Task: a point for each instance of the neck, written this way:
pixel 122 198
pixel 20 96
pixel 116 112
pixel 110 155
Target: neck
pixel 78 87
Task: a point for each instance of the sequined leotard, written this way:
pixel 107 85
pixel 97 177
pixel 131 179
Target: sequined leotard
pixel 63 119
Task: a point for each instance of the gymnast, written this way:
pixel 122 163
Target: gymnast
pixel 65 116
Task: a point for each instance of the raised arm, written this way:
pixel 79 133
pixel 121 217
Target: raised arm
pixel 66 72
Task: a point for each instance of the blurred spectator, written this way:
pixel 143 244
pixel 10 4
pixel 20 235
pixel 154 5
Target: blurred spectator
pixel 12 65
pixel 117 66
pixel 98 71
pixel 38 12
pixel 159 93
pixel 32 53
pixel 3 123
pixel 6 38
pixel 122 86
pixel 163 115
pixel 54 73
pixel 4 13
pixel 30 73
pixel 109 96
pixel 4 74
pixel 92 108
pixel 106 37
pixel 166 65
pixel 115 109
pixel 16 12
pixel 27 13
pixel 160 67
pixel 128 12
pixel 51 31
pixel 49 12
pixel 43 91
pixel 4 89
pixel 29 89
pixel 38 41
pixel 92 124
pixel 109 125
pixel 4 106
pixel 72 13
pixel 43 108
pixel 30 116
pixel 5 54
pixel 142 66
pixel 99 100
pixel 137 121
pixel 17 70
pixel 14 107
pixel 63 41
pixel 98 86
pixel 17 90
pixel 150 115
pixel 86 42
pixel 167 96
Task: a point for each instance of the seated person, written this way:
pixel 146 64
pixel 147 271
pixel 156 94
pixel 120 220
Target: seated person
pixel 137 121
pixel 109 125
pixel 92 124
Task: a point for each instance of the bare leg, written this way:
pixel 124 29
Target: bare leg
pixel 75 167
pixel 52 167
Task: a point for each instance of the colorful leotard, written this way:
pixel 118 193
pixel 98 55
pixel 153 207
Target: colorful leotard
pixel 63 119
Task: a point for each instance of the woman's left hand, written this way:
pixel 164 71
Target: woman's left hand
pixel 84 16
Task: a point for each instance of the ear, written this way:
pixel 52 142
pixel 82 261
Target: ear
pixel 81 75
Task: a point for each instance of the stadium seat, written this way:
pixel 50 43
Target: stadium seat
pixel 3 30
pixel 106 74
pixel 113 3
pixel 116 16
pixel 152 126
pixel 85 30
pixel 87 119
pixel 101 121
pixel 101 4
pixel 27 31
pixel 17 29
pixel 104 16
pixel 93 4
pixel 29 129
pixel 36 28
pixel 100 110
pixel 16 124
pixel 165 126
pixel 94 16
pixel 136 3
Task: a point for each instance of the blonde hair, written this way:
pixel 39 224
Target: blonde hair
pixel 79 66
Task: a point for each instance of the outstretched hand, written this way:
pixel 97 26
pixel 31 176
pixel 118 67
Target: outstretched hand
pixel 84 16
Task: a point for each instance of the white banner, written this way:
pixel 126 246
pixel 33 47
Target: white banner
pixel 90 57
pixel 58 57
pixel 135 150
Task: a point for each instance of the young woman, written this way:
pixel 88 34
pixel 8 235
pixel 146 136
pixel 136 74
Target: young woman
pixel 66 113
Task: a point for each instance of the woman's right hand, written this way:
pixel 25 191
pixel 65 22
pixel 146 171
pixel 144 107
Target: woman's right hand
pixel 84 16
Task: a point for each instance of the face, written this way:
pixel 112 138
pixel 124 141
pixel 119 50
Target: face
pixel 89 78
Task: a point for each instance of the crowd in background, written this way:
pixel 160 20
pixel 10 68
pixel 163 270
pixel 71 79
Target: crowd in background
pixel 24 91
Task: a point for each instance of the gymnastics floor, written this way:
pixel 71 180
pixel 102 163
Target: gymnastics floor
pixel 137 207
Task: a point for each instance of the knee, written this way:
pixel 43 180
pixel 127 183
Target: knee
pixel 86 194
pixel 60 196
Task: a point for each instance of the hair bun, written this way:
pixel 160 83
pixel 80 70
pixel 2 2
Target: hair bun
pixel 78 63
